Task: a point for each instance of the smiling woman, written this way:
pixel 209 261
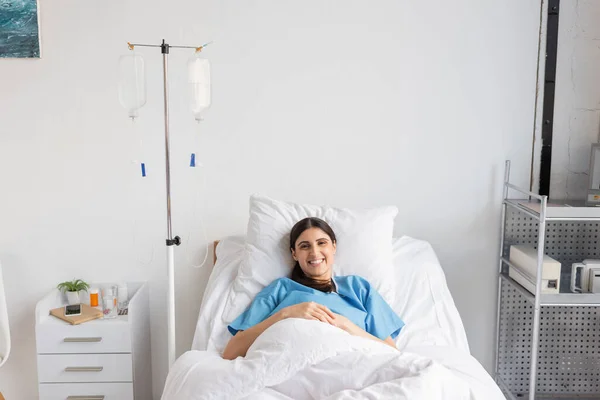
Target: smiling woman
pixel 346 302
pixel 313 246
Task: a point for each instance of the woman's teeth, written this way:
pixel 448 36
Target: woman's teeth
pixel 315 262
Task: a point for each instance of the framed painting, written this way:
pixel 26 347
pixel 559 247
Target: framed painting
pixel 19 29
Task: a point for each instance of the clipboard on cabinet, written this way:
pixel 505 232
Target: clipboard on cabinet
pixel 87 314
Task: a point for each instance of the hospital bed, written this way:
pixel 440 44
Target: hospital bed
pixel 298 359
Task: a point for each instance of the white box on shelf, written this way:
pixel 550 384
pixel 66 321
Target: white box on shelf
pixel 528 282
pixel 524 258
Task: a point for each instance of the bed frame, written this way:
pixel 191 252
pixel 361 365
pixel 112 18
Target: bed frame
pixel 215 243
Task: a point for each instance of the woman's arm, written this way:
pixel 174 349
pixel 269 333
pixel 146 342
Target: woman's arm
pixel 241 342
pixel 344 323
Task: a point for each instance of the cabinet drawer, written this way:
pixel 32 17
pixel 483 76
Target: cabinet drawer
pixel 57 337
pixel 85 368
pixel 86 391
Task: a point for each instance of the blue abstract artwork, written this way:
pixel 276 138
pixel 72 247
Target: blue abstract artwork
pixel 19 32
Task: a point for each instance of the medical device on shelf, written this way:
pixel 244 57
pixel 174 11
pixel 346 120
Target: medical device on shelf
pixel 589 281
pixel 523 269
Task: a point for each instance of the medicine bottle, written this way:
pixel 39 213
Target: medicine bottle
pixel 93 297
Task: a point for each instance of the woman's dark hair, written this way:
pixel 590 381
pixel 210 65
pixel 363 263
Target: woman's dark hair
pixel 297 273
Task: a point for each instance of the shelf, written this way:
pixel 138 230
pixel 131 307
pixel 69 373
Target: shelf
pixel 539 347
pixel 56 299
pixel 566 396
pixel 542 396
pixel 557 210
pixel 556 300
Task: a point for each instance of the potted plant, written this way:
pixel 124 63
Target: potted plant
pixel 72 289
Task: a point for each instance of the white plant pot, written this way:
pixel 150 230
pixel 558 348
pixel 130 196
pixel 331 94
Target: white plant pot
pixel 73 297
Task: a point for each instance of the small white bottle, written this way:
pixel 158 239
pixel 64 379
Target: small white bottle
pixel 123 298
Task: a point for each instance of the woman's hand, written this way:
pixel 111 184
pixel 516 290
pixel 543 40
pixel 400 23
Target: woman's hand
pixel 344 323
pixel 309 310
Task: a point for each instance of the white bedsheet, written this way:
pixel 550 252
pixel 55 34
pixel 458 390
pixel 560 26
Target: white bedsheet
pixel 305 359
pixel 300 359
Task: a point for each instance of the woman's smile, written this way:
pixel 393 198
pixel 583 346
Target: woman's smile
pixel 314 250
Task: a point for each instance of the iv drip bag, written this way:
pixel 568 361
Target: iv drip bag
pixel 199 80
pixel 132 83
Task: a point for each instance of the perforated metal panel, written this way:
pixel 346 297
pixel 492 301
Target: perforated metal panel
pixel 516 324
pixel 566 241
pixel 569 345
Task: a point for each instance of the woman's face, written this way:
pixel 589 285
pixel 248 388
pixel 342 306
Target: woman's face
pixel 314 252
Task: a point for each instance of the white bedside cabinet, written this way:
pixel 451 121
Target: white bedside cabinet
pixel 103 359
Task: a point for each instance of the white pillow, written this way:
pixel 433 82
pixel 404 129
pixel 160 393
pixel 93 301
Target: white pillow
pixel 364 246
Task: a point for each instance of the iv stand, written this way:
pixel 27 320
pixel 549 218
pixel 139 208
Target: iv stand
pixel 171 241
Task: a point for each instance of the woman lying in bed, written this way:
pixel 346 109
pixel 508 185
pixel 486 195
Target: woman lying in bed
pixel 347 302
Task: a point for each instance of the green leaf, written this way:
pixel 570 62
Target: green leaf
pixel 73 286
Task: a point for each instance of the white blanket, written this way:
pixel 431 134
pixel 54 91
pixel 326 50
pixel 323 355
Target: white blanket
pixel 301 359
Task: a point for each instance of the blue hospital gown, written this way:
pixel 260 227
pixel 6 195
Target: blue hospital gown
pixel 355 299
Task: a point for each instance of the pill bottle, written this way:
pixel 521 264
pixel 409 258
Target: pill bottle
pixel 93 297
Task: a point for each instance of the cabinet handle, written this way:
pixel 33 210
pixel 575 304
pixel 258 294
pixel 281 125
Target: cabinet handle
pixel 82 339
pixel 84 369
pixel 99 397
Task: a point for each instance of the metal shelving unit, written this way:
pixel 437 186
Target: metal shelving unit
pixel 547 345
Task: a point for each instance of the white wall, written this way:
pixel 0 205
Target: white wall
pixel 577 101
pixel 354 104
